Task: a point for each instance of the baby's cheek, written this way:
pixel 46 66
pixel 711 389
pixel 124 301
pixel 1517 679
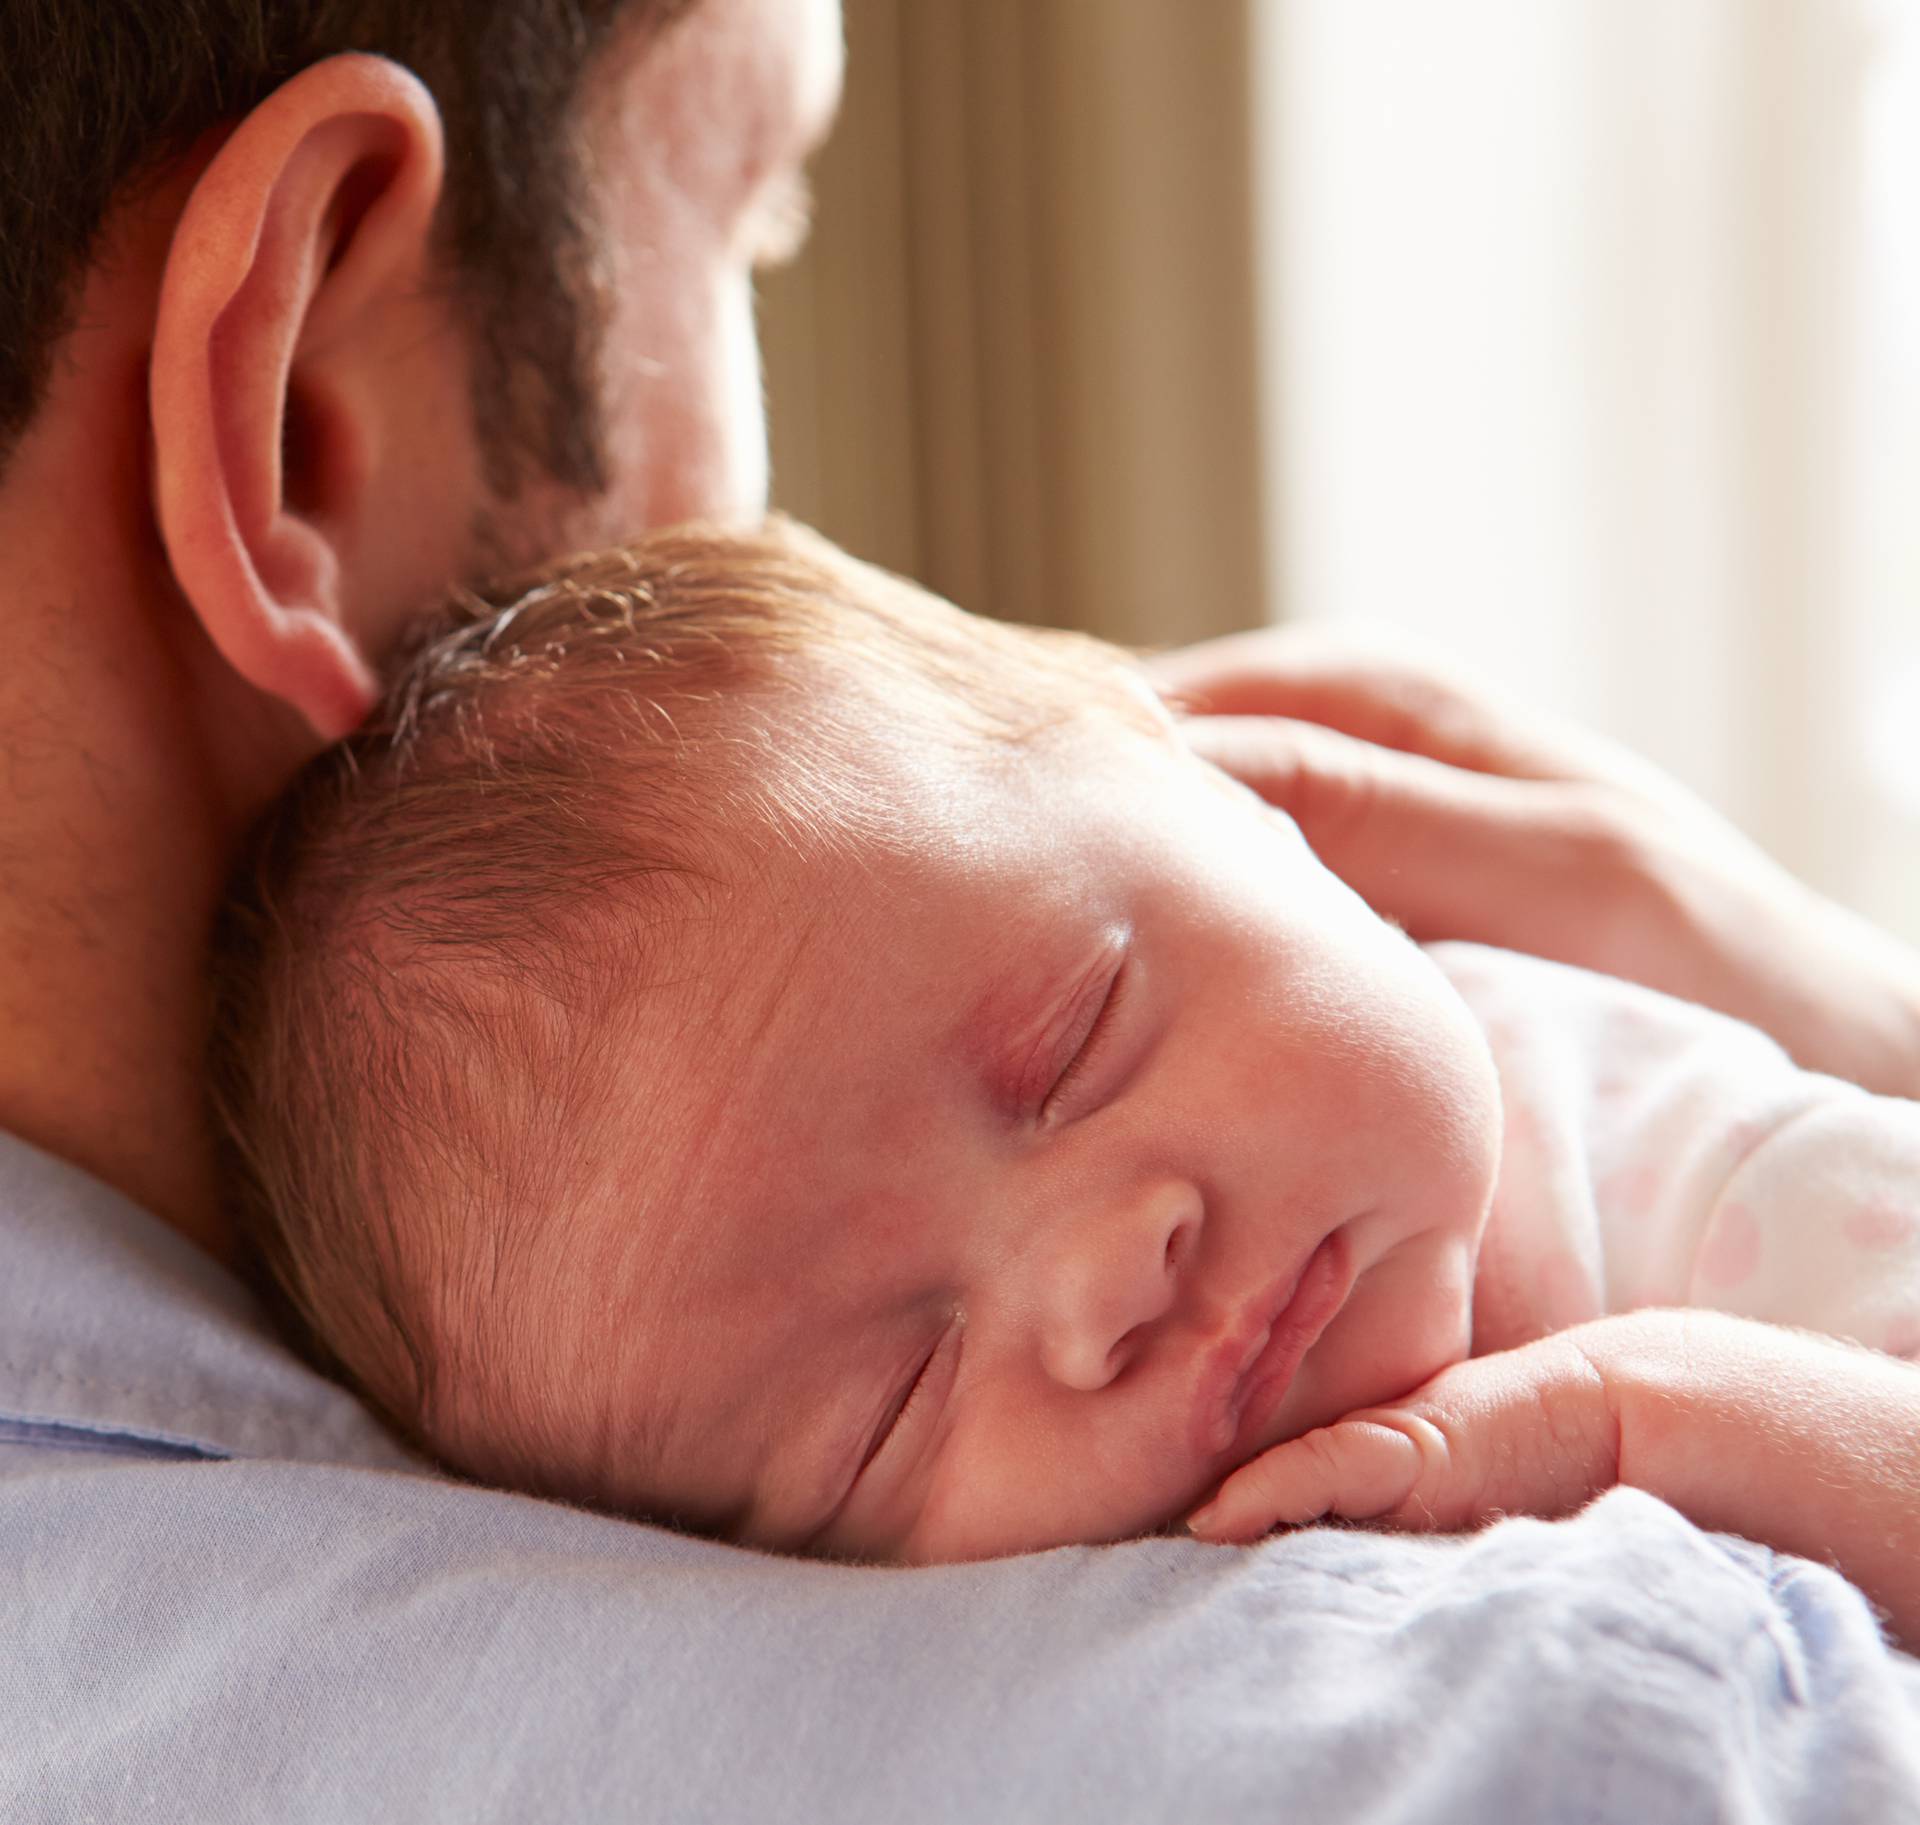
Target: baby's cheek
pixel 1454 1133
pixel 1045 1473
pixel 1408 1318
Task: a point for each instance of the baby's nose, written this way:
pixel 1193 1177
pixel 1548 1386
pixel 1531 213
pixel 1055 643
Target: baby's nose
pixel 1110 1279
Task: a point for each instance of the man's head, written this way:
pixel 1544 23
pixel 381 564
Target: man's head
pixel 95 97
pixel 399 270
pixel 742 1042
pixel 308 309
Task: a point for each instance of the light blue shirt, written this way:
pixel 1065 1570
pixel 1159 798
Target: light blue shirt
pixel 228 1595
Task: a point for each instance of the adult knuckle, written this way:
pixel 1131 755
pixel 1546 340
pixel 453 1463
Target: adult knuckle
pixel 1602 828
pixel 1436 707
pixel 1613 848
pixel 1336 794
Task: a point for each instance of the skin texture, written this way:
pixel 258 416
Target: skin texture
pixel 193 599
pixel 895 1189
pixel 1797 1440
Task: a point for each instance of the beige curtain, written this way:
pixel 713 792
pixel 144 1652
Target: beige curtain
pixel 1018 358
pixel 1581 337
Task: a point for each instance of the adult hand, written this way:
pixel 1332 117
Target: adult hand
pixel 1460 815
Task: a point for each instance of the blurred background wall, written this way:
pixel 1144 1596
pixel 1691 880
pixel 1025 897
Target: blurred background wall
pixel 1578 337
pixel 1019 356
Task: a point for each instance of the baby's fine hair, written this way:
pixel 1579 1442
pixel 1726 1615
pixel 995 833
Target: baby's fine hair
pixel 435 942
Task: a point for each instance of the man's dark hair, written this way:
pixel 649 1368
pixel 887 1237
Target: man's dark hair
pixel 97 94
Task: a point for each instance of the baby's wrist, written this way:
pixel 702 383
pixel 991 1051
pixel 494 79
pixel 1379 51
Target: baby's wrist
pixel 1670 1376
pixel 1751 1427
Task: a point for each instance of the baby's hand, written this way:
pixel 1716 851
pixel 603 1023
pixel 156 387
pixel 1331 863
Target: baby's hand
pixel 1532 1430
pixel 1806 1443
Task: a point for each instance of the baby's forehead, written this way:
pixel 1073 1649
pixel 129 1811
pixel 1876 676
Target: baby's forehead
pixel 871 896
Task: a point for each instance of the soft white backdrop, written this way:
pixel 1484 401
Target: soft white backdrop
pixel 1592 349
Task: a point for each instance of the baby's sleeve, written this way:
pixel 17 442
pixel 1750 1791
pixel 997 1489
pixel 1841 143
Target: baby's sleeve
pixel 1658 1153
pixel 1819 1225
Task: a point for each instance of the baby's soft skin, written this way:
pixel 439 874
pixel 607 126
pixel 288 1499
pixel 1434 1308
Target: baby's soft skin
pixel 1475 819
pixel 1066 1133
pixel 1005 1134
pixel 1174 1151
pixel 987 1128
pixel 1806 1443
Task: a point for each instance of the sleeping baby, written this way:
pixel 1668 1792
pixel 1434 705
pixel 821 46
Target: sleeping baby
pixel 742 1043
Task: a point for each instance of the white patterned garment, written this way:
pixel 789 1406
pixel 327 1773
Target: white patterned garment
pixel 1660 1154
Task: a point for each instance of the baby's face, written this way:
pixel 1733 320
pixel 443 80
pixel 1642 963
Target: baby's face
pixel 1052 1153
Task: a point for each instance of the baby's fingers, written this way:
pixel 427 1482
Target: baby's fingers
pixel 1367 1466
pixel 1530 1430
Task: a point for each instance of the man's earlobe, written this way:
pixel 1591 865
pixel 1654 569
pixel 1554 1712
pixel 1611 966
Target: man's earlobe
pixel 310 219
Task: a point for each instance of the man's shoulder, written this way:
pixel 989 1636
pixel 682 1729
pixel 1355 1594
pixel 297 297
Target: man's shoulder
pixel 121 1335
pixel 230 1600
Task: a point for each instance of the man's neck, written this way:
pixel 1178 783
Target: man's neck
pixel 118 736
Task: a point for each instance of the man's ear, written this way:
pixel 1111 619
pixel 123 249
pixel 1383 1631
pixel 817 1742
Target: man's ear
pixel 312 218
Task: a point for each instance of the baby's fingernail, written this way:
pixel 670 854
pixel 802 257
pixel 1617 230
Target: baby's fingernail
pixel 1205 1522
